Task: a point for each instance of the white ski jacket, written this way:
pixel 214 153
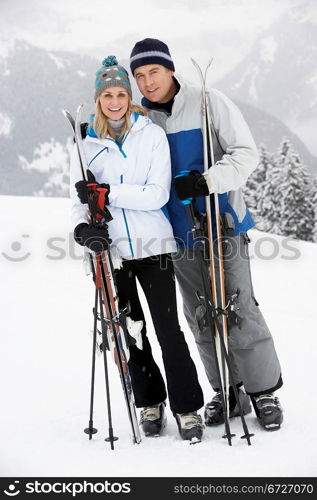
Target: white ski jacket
pixel 139 174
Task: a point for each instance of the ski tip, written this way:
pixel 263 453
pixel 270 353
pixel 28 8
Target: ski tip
pixel 195 63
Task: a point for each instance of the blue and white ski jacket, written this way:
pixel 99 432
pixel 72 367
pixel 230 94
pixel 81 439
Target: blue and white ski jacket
pixel 234 151
pixel 139 174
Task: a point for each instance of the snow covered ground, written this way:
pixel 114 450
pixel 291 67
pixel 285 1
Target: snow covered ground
pixel 46 303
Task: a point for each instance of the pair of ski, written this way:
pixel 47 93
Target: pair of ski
pixel 113 320
pixel 212 294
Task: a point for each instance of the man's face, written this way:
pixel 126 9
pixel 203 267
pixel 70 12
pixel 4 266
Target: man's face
pixel 155 82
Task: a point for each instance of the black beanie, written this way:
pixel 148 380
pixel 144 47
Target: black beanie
pixel 150 51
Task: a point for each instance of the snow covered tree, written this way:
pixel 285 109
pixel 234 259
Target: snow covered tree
pixel 256 179
pixel 283 195
pixel 315 207
pixel 268 210
pixel 295 203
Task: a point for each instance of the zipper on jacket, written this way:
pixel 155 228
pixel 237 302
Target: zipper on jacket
pixel 120 147
pixel 126 224
pixel 120 144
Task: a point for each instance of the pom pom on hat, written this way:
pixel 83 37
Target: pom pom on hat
pixel 110 61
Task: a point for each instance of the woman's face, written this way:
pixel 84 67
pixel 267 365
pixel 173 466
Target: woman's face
pixel 114 102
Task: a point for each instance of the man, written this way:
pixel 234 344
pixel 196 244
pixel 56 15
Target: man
pixel 175 104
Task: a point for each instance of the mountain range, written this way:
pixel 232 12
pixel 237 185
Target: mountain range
pixel 36 84
pixel 279 75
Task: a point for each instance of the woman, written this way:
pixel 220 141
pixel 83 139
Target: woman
pixel 130 155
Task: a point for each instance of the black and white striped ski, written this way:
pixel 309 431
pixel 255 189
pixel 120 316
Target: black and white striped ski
pixel 213 293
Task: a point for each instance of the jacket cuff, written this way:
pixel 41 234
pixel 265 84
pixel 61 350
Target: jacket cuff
pixel 208 182
pixel 114 191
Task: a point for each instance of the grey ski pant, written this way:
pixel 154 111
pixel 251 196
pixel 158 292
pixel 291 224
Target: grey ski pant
pixel 251 347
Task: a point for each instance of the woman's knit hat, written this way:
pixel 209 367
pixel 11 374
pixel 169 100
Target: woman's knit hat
pixel 111 75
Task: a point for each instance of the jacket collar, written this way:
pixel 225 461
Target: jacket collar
pixel 138 122
pixel 179 98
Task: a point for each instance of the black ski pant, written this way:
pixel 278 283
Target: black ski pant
pixel 156 277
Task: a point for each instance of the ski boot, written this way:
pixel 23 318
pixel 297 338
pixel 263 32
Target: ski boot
pixel 268 411
pixel 190 426
pixel 214 410
pixel 153 419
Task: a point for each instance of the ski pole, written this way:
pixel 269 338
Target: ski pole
pixel 111 438
pixel 91 429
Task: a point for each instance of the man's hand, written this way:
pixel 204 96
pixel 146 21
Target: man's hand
pixel 190 186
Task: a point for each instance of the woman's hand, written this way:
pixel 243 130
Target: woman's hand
pixel 95 238
pixel 82 188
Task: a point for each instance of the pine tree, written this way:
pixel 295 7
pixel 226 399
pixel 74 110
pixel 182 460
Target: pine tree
pixel 268 210
pixel 296 209
pixel 255 180
pixel 282 195
pixel 315 207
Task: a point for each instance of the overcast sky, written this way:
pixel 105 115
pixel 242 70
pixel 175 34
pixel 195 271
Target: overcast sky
pixel 224 29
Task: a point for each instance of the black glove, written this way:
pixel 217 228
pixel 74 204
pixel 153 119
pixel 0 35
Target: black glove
pixel 95 238
pixel 191 185
pixel 83 130
pixel 82 188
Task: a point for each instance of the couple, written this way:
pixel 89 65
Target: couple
pixel 135 151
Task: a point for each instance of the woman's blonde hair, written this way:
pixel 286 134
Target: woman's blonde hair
pixel 101 125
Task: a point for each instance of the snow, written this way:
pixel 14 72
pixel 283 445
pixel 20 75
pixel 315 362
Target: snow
pixel 253 93
pixel 45 363
pixel 57 60
pixel 5 124
pixel 252 73
pixel 51 157
pixel 268 49
pixel 6 47
pixel 48 155
pixel 312 81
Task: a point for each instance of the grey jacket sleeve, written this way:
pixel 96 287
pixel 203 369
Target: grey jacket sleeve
pixel 240 156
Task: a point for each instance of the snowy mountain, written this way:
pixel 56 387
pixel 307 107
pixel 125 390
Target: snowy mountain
pixel 35 86
pixel 35 138
pixel 279 75
pixel 270 131
pixel 46 315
